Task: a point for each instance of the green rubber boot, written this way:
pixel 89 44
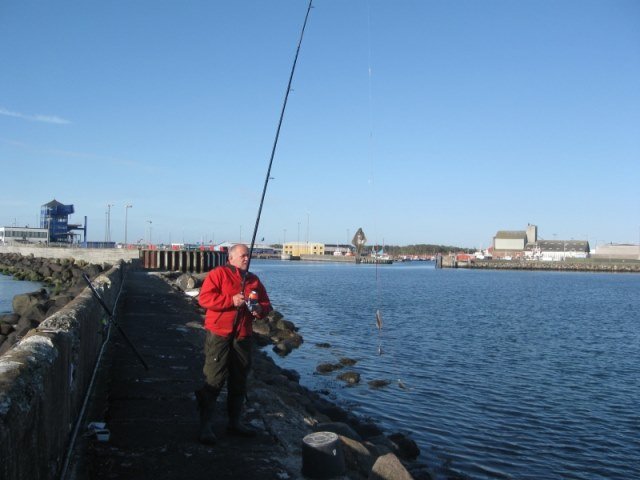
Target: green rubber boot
pixel 235 427
pixel 206 398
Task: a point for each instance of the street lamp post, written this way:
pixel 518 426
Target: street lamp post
pixel 126 210
pixel 149 222
pixel 107 233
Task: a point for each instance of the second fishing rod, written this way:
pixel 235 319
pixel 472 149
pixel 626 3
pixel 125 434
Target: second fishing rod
pixel 273 152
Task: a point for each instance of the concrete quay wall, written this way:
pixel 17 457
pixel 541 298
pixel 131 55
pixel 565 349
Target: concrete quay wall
pixel 89 255
pixel 613 267
pixel 43 381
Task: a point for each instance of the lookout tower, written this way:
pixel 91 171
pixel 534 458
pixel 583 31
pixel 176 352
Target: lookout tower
pixel 55 217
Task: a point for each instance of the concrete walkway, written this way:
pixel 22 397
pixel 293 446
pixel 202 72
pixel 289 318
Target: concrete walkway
pixel 152 414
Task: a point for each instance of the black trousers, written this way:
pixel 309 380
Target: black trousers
pixel 227 359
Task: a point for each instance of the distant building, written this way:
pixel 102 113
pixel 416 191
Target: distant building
pixel 299 248
pixel 338 249
pixel 556 250
pixel 54 216
pixel 10 235
pixel 510 243
pixel 617 251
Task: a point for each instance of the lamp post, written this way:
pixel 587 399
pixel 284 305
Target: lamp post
pixel 149 222
pixel 107 233
pixel 126 210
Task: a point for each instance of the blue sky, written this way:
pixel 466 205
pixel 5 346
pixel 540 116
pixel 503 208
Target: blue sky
pixel 419 121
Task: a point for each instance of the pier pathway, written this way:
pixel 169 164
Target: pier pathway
pixel 152 414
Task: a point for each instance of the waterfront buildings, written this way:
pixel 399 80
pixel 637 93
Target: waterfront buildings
pixel 9 235
pixel 303 248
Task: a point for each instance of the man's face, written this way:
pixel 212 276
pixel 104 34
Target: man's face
pixel 239 258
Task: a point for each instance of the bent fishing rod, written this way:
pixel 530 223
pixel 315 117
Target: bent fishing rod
pixel 273 152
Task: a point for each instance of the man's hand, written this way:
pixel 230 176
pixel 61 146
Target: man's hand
pixel 238 299
pixel 257 310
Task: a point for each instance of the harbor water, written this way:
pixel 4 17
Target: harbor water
pixel 495 374
pixel 10 287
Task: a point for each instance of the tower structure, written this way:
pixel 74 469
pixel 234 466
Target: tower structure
pixel 54 216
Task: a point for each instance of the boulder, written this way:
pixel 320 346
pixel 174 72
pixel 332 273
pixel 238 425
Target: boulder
pixel 348 362
pixel 186 281
pixel 6 329
pixel 368 430
pixel 328 367
pixel 405 447
pixel 273 316
pixel 24 301
pixel 36 313
pixel 389 467
pixel 356 456
pixel 8 343
pixel 351 378
pixel 9 318
pixel 378 383
pixel 283 348
pixel 339 428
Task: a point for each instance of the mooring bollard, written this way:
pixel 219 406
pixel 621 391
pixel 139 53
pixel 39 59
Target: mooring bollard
pixel 322 455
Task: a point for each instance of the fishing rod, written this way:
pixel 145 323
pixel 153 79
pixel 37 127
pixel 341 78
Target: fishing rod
pixel 112 320
pixel 275 142
pixel 273 152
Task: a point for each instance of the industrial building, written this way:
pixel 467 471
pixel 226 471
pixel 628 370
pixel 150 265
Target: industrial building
pixel 617 251
pixel 508 244
pixel 11 235
pixel 54 216
pixel 299 248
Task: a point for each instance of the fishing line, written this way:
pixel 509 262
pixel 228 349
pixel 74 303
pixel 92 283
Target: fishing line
pixel 378 313
pixel 273 152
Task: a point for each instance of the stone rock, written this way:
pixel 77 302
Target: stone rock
pixel 406 447
pixel 273 316
pixel 37 313
pixel 381 440
pixel 286 325
pixel 323 345
pixel 389 467
pixel 10 318
pixel 283 348
pixel 291 375
pixel 378 383
pixel 351 378
pixel 5 329
pixel 348 362
pixel 24 301
pixel 8 343
pixel 356 456
pixel 328 367
pixel 261 327
pixel 24 325
pixel 186 281
pixel 339 428
pixel 372 432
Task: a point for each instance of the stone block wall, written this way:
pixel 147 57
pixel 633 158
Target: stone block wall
pixel 43 381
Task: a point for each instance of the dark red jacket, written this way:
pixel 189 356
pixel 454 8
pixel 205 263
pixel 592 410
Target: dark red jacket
pixel 216 296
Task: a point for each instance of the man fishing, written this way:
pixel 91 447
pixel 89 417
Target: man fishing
pixel 228 343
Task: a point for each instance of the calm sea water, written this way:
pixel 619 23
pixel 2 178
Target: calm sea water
pixel 10 287
pixel 496 374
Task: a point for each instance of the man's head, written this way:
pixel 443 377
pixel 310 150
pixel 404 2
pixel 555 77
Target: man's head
pixel 239 256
